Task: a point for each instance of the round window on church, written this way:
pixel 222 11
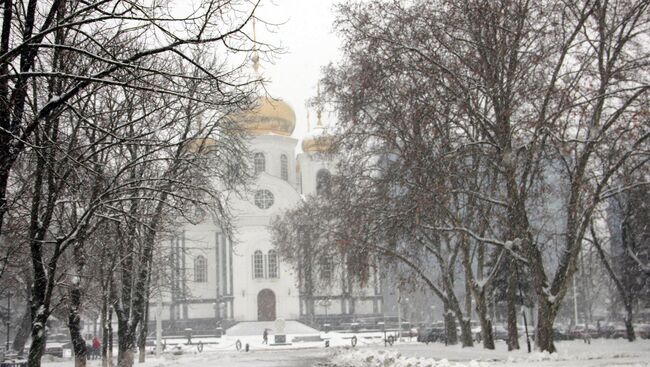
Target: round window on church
pixel 263 199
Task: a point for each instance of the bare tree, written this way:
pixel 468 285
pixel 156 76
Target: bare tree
pixel 108 40
pixel 57 58
pixel 542 90
pixel 623 251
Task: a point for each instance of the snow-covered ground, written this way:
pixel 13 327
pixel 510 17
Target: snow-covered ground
pixel 371 353
pixel 570 353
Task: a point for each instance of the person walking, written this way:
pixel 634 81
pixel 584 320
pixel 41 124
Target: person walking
pixel 265 337
pixel 96 348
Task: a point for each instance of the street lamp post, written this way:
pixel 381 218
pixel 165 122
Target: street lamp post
pixel 399 315
pixel 325 303
pixel 408 317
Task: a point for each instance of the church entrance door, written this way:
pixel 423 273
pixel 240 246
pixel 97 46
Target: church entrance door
pixel 266 305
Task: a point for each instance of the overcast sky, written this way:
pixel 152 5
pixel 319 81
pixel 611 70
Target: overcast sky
pixel 306 36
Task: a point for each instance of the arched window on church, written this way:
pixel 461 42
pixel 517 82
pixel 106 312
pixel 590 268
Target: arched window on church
pixel 259 162
pixel 325 268
pixel 200 269
pixel 323 182
pixel 258 265
pixel 273 264
pixel 284 167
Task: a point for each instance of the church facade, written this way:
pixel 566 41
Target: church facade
pixel 216 280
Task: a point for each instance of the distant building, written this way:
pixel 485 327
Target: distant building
pixel 215 281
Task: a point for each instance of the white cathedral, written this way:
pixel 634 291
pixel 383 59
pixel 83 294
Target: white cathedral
pixel 218 282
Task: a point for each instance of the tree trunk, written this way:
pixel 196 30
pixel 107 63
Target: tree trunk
pixel 624 292
pixel 545 319
pixel 629 327
pixel 126 343
pixel 468 294
pixel 109 354
pixel 142 339
pixel 466 332
pixel 22 334
pixel 5 169
pixel 74 319
pixel 450 327
pixel 511 306
pixel 105 330
pixel 39 315
pixel 125 358
pixel 465 326
pixel 74 325
pixel 486 324
pixel 455 313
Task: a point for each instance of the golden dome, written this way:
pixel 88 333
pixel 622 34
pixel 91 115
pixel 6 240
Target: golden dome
pixel 317 142
pixel 269 116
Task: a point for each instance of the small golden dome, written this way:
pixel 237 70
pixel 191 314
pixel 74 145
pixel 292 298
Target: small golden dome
pixel 269 116
pixel 200 145
pixel 317 142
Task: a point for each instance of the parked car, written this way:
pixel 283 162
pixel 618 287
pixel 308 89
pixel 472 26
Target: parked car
pixel 500 332
pixel 642 331
pixel 54 349
pixel 476 331
pixel 613 331
pixel 55 343
pixel 150 346
pixel 432 335
pixel 580 332
pixel 561 334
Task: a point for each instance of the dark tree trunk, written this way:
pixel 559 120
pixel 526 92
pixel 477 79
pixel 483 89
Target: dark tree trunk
pixel 43 279
pixel 456 314
pixel 74 325
pixel 74 318
pixel 466 333
pixel 129 319
pixel 468 295
pixel 511 306
pixel 5 166
pixel 144 330
pixel 450 327
pixel 40 316
pixel 22 334
pixel 629 327
pixel 545 319
pixel 625 292
pixel 105 330
pixel 486 324
pixel 109 354
pixel 126 343
pixel 465 326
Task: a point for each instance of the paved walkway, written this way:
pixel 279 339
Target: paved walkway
pixel 257 328
pixel 317 357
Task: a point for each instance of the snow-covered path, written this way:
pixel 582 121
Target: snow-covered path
pixel 262 358
pixel 599 353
